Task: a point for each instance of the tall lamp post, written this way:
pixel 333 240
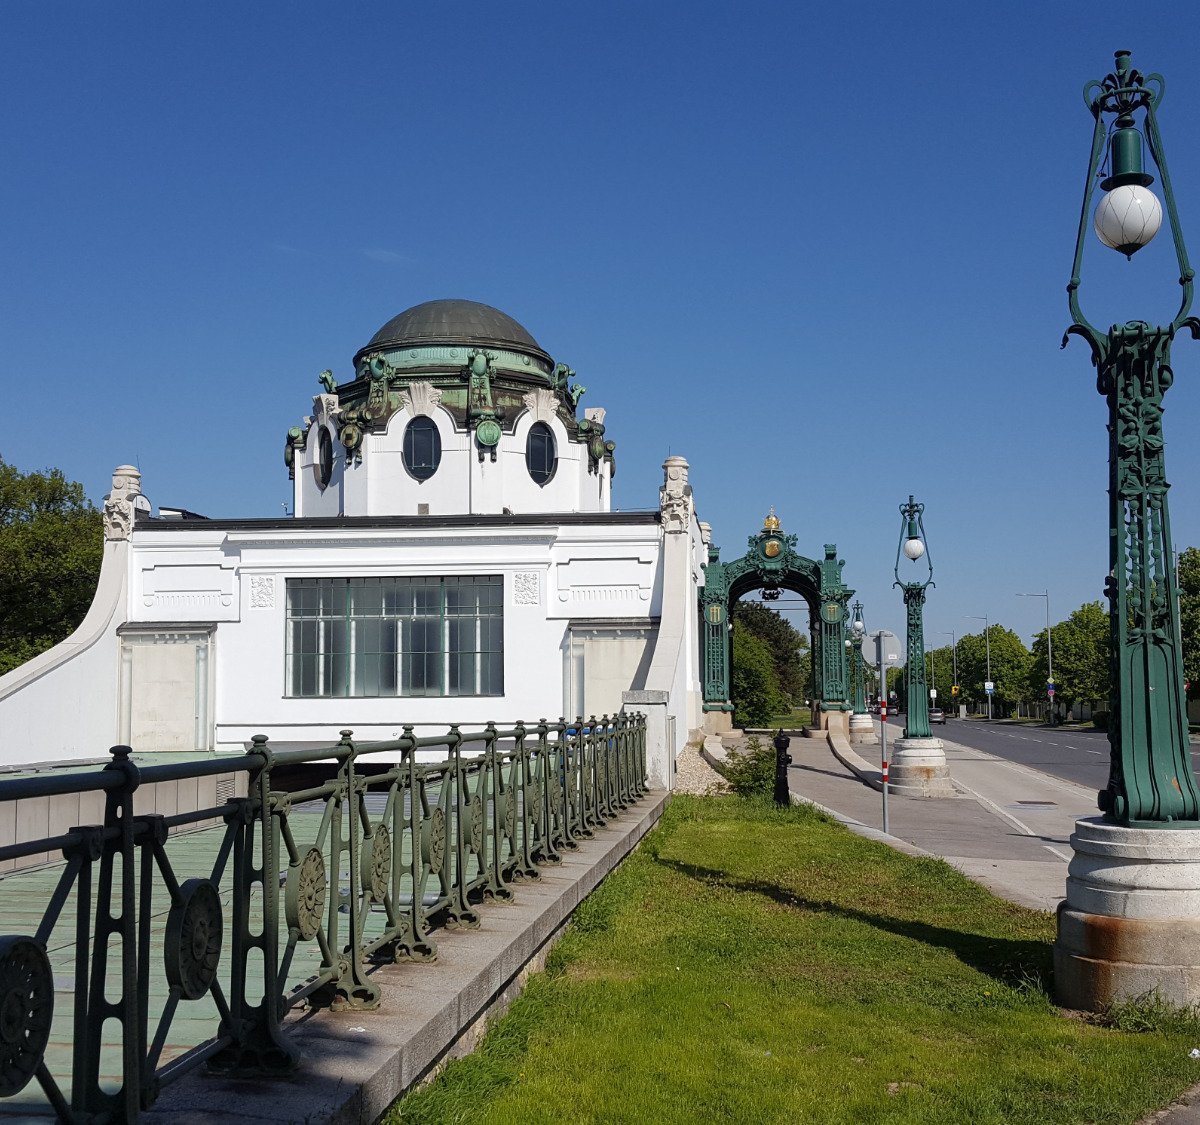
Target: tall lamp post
pixel 989 686
pixel 1049 651
pixel 920 762
pixel 953 661
pixel 1130 923
pixel 861 727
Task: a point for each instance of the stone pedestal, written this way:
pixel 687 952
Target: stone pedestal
pixel 862 730
pixel 919 769
pixel 1130 923
pixel 718 722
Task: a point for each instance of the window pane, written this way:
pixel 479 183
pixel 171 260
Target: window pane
pixel 372 637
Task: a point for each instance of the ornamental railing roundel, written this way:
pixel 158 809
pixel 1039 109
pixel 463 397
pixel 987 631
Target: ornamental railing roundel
pixel 773 564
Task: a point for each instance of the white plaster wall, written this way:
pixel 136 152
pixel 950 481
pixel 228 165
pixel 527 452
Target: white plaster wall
pixel 463 484
pixel 393 491
pixel 249 654
pixel 309 499
pixel 62 705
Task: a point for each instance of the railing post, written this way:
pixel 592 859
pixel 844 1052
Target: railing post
pixel 87 1098
pixel 351 987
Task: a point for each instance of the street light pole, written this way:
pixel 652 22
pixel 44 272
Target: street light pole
pixel 953 657
pixel 987 645
pixel 1128 926
pixel 921 768
pixel 1049 650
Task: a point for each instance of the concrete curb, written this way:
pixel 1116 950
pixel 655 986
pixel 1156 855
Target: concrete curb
pixel 356 1063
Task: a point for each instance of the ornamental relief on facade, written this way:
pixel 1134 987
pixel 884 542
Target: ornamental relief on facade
pixel 527 588
pixel 262 591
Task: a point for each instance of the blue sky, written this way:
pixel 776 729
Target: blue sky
pixel 819 250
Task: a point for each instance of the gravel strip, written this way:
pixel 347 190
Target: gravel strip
pixel 694 775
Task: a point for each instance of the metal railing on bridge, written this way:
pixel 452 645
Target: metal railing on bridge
pixel 183 948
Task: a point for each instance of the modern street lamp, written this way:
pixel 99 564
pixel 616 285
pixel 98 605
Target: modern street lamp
pixel 1049 650
pixel 953 659
pixel 988 687
pixel 920 760
pixel 1129 923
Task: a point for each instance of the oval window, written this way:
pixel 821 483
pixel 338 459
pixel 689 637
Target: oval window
pixel 422 447
pixel 323 466
pixel 540 454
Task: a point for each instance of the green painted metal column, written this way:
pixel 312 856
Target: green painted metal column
pixel 912 546
pixel 714 629
pixel 835 680
pixel 1151 781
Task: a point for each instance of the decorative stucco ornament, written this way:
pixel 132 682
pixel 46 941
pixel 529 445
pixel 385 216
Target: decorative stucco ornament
pixel 675 496
pixel 120 502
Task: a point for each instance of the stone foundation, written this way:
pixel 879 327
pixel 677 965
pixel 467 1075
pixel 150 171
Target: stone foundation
pixel 1130 923
pixel 918 769
pixel 862 730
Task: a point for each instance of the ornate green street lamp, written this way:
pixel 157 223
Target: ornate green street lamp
pixel 857 631
pixel 1151 782
pixel 913 547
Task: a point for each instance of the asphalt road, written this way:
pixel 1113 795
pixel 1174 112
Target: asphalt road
pixel 1078 756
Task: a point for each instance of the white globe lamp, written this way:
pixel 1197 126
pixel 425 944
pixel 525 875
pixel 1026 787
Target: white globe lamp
pixel 1127 218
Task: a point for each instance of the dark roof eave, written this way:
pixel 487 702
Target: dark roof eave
pixel 401 523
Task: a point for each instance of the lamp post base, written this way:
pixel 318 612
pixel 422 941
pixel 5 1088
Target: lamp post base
pixel 862 730
pixel 919 769
pixel 1130 924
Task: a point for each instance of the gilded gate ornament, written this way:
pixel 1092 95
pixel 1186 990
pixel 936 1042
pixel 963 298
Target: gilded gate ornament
pixel 26 1011
pixel 192 945
pixel 304 894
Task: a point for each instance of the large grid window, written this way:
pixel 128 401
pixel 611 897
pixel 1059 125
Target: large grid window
pixel 395 636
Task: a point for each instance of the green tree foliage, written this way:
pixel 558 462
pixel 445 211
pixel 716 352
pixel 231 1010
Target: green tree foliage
pixel 787 645
pixel 1010 667
pixel 753 681
pixel 1189 616
pixel 51 544
pixel 1081 646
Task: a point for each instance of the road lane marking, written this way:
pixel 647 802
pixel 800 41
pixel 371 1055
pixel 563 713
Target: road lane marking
pixel 1048 848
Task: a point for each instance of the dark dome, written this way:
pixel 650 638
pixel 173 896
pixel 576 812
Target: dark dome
pixel 463 322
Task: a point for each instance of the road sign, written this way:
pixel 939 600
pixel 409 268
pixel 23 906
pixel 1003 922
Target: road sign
pixel 1050 692
pixel 933 693
pixel 891 648
pixel 988 686
pixel 954 689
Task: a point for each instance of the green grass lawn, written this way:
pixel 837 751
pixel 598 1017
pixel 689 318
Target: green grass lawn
pixel 754 965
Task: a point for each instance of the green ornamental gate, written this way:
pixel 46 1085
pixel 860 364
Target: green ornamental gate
pixel 772 564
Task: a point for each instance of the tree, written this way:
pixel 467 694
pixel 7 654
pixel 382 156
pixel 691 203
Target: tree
pixel 51 544
pixel 787 646
pixel 1009 665
pixel 753 682
pixel 1189 616
pixel 1081 650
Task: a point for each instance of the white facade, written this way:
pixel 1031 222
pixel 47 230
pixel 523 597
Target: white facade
pixel 198 639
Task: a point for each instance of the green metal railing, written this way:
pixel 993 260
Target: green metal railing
pixel 301 892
